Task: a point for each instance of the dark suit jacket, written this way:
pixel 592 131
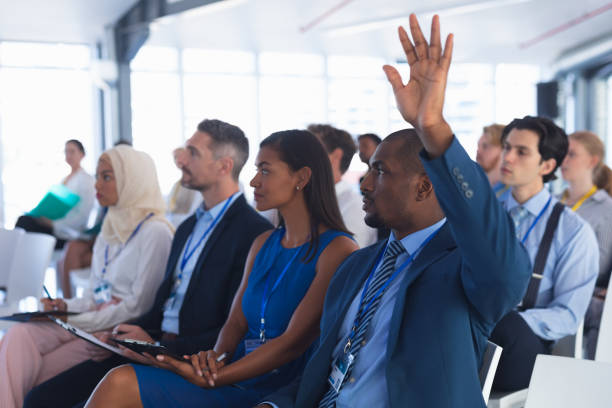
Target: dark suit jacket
pixel 214 281
pixel 470 275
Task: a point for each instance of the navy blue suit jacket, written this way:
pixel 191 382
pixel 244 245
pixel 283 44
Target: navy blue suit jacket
pixel 214 282
pixel 467 278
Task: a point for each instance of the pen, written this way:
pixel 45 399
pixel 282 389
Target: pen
pixel 221 357
pixel 47 292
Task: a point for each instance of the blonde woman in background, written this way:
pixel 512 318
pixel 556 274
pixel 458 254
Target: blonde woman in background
pixel 129 259
pixel 488 155
pixel 588 193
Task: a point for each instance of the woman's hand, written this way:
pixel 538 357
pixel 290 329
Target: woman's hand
pixel 206 364
pixel 97 353
pixel 186 370
pixel 114 300
pixel 53 304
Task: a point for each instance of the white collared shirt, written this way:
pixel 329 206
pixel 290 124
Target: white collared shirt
pixel 351 208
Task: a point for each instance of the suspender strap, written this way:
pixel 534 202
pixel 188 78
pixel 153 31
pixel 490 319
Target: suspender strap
pixel 541 257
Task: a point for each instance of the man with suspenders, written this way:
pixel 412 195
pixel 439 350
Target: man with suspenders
pixel 562 248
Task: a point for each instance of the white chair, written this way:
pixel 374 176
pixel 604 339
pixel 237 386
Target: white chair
pixel 568 346
pixel 31 259
pixel 9 239
pixel 490 360
pixel 603 352
pixel 562 382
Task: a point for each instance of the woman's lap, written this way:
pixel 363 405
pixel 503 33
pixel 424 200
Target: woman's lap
pixel 163 388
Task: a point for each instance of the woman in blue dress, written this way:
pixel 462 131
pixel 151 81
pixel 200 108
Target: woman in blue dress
pixel 274 318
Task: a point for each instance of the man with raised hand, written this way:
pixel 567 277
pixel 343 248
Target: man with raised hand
pixel 406 321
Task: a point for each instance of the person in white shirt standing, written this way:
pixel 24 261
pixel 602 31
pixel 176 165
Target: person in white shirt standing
pixel 128 265
pixel 341 148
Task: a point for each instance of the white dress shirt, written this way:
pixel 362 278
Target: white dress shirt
pixel 351 208
pixel 135 275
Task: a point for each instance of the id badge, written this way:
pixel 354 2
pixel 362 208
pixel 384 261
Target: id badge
pixel 102 292
pixel 252 344
pixel 339 370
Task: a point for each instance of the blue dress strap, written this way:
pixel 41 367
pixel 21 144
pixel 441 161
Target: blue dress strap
pixel 327 237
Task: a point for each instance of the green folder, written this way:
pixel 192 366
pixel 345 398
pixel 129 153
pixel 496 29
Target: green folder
pixel 56 203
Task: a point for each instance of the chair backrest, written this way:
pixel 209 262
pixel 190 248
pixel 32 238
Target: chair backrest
pixel 9 239
pixel 604 339
pixel 32 257
pixel 563 382
pixel 570 346
pixel 490 359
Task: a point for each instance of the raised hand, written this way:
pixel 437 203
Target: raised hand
pixel 421 100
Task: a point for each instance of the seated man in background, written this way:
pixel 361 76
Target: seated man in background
pixel 367 144
pixel 488 155
pixel 204 268
pixel 341 148
pixel 182 201
pixel 406 322
pixel 561 245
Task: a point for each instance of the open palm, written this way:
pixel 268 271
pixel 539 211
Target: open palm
pixel 421 100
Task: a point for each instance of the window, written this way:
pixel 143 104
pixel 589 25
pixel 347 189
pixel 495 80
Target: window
pixel 46 98
pixel 157 122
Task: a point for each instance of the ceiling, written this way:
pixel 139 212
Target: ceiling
pixel 72 21
pixel 485 30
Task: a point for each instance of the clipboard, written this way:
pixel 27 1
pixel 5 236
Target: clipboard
pixel 85 336
pixel 141 347
pixel 36 316
pixel 56 203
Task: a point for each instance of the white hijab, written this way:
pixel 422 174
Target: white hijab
pixel 138 192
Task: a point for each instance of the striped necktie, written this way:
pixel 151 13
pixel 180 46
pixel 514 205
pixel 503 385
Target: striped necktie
pixel 518 215
pixel 383 273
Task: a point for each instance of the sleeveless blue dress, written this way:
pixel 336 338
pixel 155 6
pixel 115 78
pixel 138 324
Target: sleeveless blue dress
pixel 162 388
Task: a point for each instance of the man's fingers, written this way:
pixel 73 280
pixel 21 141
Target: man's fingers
pixel 435 47
pixel 394 77
pixel 420 43
pixel 445 61
pixel 409 50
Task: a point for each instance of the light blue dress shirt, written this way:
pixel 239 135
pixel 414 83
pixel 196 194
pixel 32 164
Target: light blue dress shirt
pixel 170 322
pixel 571 267
pixel 367 386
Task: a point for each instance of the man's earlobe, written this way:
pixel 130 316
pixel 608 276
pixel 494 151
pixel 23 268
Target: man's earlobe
pixel 424 188
pixel 548 166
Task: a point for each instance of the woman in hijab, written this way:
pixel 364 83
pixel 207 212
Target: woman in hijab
pixel 128 264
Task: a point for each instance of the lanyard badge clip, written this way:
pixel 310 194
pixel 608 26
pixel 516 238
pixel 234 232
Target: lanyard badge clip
pixel 262 330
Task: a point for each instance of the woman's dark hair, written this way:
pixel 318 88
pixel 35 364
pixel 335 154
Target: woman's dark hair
pixel 78 144
pixel 552 140
pixel 299 149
